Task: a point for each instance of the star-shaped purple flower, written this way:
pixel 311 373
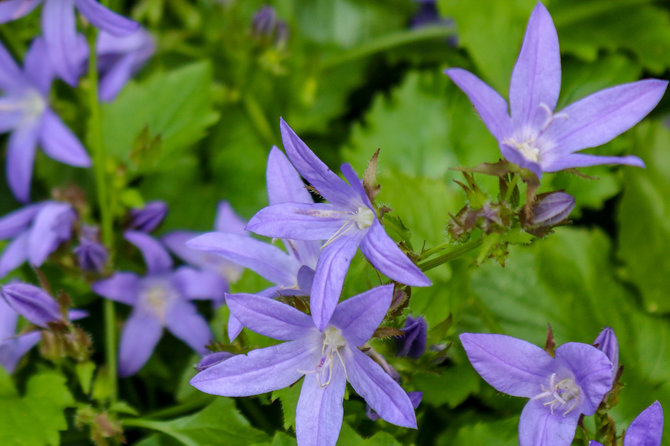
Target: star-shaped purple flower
pixel 24 111
pixel 13 346
pixel 533 135
pixel 345 222
pixel 327 358
pixel 560 389
pixel 645 430
pixel 159 299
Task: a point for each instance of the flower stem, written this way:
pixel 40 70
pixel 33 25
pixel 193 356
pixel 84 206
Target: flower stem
pixel 159 426
pixel 450 255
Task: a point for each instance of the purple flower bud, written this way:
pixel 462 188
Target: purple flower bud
pixel 264 22
pixel 552 209
pixel 607 343
pixel 149 217
pixel 32 302
pixel 211 359
pixel 92 255
pixel 413 342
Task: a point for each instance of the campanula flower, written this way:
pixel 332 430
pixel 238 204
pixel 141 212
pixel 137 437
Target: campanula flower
pixel 413 342
pixel 32 302
pixel 92 255
pixel 606 342
pixel 25 112
pixel 345 222
pixel 532 134
pixel 560 389
pixel 645 430
pixel 149 217
pixel 551 209
pixel 160 299
pixel 36 231
pixel 327 358
pixel 13 346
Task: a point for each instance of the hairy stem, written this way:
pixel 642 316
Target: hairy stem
pixel 450 255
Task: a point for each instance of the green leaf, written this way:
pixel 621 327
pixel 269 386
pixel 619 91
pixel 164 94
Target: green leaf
pixel 451 387
pixel 37 417
pixel 289 402
pixel 499 433
pixel 349 437
pixel 281 439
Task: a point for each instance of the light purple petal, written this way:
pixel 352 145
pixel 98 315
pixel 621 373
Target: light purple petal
pixel 607 343
pixel 59 143
pixel 10 113
pixel 283 181
pixel 234 327
pixel 358 317
pixel 11 76
pixel 51 227
pixel 647 428
pixel 491 107
pixel 265 259
pixel 269 317
pixel 149 217
pixel 318 416
pixel 176 242
pixel 261 370
pixel 600 117
pixel 32 303
pixel 227 220
pixel 121 287
pixel 305 279
pixel 13 349
pixel 37 65
pixel 329 277
pixel 378 389
pixel 20 159
pixel 539 427
pixel 106 19
pixel 60 33
pixel 512 366
pixel 184 322
pixel 324 180
pixel 389 259
pixel 592 370
pixel 299 221
pixel 356 184
pixel 155 256
pixel 583 160
pixel 15 9
pixel 116 78
pixel 138 340
pixel 536 78
pixel 514 156
pixel 15 253
pixel 195 284
pixel 8 319
pixel 18 221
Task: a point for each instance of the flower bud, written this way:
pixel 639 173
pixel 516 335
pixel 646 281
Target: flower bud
pixel 551 209
pixel 413 342
pixel 32 303
pixel 91 254
pixel 149 217
pixel 607 342
pixel 264 22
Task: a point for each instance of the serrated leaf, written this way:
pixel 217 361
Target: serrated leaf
pixel 289 402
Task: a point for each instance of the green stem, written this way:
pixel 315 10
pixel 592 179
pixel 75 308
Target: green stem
pixel 451 255
pixel 95 142
pixel 181 409
pixel 159 426
pixel 255 113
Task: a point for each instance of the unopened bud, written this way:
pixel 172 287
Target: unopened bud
pixel 212 359
pixel 91 254
pixel 413 342
pixel 149 217
pixel 551 209
pixel 32 303
pixel 607 342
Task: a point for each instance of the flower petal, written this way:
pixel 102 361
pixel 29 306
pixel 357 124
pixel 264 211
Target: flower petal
pixel 176 242
pixel 512 366
pixel 13 349
pixel 15 9
pixel 269 317
pixel 600 117
pixel 647 428
pixel 325 181
pixel 318 416
pixel 358 317
pixel 59 143
pixel 184 322
pixel 385 255
pixel 51 227
pixel 283 181
pixel 155 256
pixel 60 33
pixel 592 370
pixel 536 78
pixel 15 253
pixel 37 65
pixel 106 19
pixel 116 77
pixel 200 284
pixel 261 370
pixel 491 107
pixel 121 287
pixel 21 149
pixel 138 340
pixel 32 303
pixel 11 76
pixel 234 327
pixel 227 220
pixel 18 221
pixel 378 389
pixel 299 221
pixel 539 427
pixel 582 160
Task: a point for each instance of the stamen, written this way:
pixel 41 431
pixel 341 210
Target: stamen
pixel 564 394
pixel 339 233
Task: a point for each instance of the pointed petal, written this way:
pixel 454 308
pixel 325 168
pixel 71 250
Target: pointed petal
pixel 512 366
pixel 378 389
pixel 329 277
pixel 227 220
pixel 514 156
pixel 385 255
pixel 138 340
pixel 265 259
pixel 18 221
pixel 13 349
pixel 176 242
pixel 200 284
pixel 234 327
pixel 356 184
pixel 113 81
pixel 358 317
pixel 491 107
pixel 15 9
pixel 37 65
pixel 318 416
pixel 148 218
pixel 283 181
pixel 184 322
pixel 121 287
pixel 298 221
pixel 8 320
pixel 60 33
pixel 15 253
pixel 51 227
pixel 536 78
pixel 592 369
pixel 106 19
pixel 600 117
pixel 59 143
pixel 583 160
pixel 11 76
pixel 324 180
pixel 32 303
pixel 647 428
pixel 261 370
pixel 269 317
pixel 155 256
pixel 20 159
pixel 539 427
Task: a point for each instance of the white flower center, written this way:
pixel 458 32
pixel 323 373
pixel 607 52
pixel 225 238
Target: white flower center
pixel 333 341
pixel 157 299
pixel 561 395
pixel 363 217
pixel 32 105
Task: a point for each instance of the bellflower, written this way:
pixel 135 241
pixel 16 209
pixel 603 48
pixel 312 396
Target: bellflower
pixel 327 358
pixel 37 230
pixel 347 221
pixel 292 273
pixel 607 343
pixel 532 134
pixel 92 255
pixel 149 217
pixel 560 389
pixel 25 112
pixel 413 342
pixel 159 299
pixel 35 304
pixel 13 346
pixel 645 430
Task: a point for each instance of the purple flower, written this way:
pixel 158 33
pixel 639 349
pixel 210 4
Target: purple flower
pixel 347 221
pixel 413 342
pixel 31 302
pixel 149 217
pixel 414 397
pixel 37 230
pixel 645 430
pixel 211 359
pixel 326 357
pixel 25 112
pixel 560 388
pixel 91 253
pixel 292 272
pixel 159 299
pixel 536 137
pixel 14 9
pixel 551 209
pixel 12 346
pixel 607 343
